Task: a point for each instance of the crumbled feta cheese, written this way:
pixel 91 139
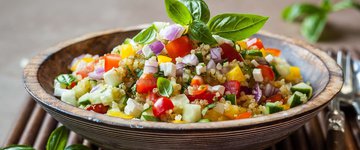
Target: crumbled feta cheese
pixel 133 108
pixel 146 50
pixel 257 75
pixel 168 68
pixel 255 63
pixel 269 58
pixel 200 68
pixel 218 88
pixel 220 40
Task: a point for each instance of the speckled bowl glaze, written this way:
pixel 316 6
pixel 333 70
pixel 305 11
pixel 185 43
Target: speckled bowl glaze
pixel 115 133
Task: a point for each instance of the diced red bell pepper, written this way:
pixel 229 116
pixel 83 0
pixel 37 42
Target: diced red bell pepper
pixel 197 80
pixel 146 83
pixel 233 87
pixel 99 108
pixel 244 115
pixel 204 96
pixel 255 42
pixel 274 98
pixel 230 53
pixel 179 47
pixel 267 73
pixel 111 61
pixel 161 106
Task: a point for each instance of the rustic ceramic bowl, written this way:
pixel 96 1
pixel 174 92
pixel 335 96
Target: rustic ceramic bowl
pixel 115 133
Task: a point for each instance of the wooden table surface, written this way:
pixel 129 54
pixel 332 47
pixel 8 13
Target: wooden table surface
pixel 28 27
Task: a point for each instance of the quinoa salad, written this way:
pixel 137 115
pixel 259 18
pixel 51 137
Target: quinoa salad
pixel 186 72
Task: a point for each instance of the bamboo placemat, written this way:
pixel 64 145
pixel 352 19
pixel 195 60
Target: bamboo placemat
pixel 34 126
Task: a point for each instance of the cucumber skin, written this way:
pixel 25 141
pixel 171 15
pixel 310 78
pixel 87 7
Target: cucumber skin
pixel 295 101
pixel 273 108
pixel 308 89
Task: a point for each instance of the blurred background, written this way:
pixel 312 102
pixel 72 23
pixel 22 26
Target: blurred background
pixel 28 27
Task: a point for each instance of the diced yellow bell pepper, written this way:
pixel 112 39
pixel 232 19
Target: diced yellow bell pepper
pixel 232 111
pixel 127 50
pixel 294 74
pixel 212 115
pixel 178 121
pixel 235 74
pixel 163 59
pixel 242 44
pixel 119 114
pixel 263 52
pixel 88 59
pixel 286 106
pixel 73 67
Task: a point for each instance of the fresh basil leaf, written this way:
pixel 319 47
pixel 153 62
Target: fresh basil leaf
pixel 200 32
pixel 178 12
pixel 295 11
pixel 345 5
pixel 313 26
pixel 66 79
pixel 58 139
pixel 77 147
pixel 198 9
pixel 236 26
pixel 146 36
pixel 18 147
pixel 150 118
pixel 164 86
pixel 207 107
pixel 231 98
pixel 326 5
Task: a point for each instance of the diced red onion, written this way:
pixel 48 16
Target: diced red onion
pixel 270 90
pixel 191 60
pixel 172 32
pixel 246 90
pixel 97 74
pixel 180 68
pixel 156 47
pixel 211 65
pixel 151 66
pixel 257 92
pixel 139 52
pixel 215 54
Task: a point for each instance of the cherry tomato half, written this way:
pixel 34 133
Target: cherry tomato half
pixel 230 53
pixel 111 61
pixel 197 80
pixel 161 106
pixel 204 96
pixel 200 89
pixel 179 47
pixel 146 83
pixel 99 108
pixel 267 73
pixel 233 87
pixel 255 42
pixel 153 96
pixel 274 98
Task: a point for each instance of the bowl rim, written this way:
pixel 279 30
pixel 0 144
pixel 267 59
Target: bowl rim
pixel 33 87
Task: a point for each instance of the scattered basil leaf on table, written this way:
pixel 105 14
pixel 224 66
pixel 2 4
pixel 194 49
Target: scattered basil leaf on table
pixel 236 26
pixel 18 147
pixel 77 147
pixel 178 12
pixel 146 36
pixel 58 139
pixel 313 26
pixel 164 86
pixel 198 9
pixel 292 12
pixel 200 32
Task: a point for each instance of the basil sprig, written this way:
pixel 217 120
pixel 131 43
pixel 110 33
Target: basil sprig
pixel 178 12
pixel 198 9
pixel 314 17
pixel 236 26
pixel 164 86
pixel 146 36
pixel 200 32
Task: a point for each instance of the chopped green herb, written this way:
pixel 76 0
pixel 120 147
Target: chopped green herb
pixel 207 107
pixel 150 118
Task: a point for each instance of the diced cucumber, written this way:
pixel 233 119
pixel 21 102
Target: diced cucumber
pixel 204 120
pixel 273 107
pixel 106 97
pixel 249 54
pixel 297 99
pixel 133 108
pixel 231 98
pixel 82 87
pixel 69 97
pixel 302 88
pixel 112 77
pixel 179 101
pixel 277 74
pixel 58 90
pixel 191 112
pixel 84 100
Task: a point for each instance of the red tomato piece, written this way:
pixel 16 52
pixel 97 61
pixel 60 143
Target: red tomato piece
pixel 230 53
pixel 233 87
pixel 146 83
pixel 161 106
pixel 179 47
pixel 273 51
pixel 204 96
pixel 200 90
pixel 255 42
pixel 244 115
pixel 197 80
pixel 99 108
pixel 267 73
pixel 111 61
pixel 153 96
pixel 274 98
